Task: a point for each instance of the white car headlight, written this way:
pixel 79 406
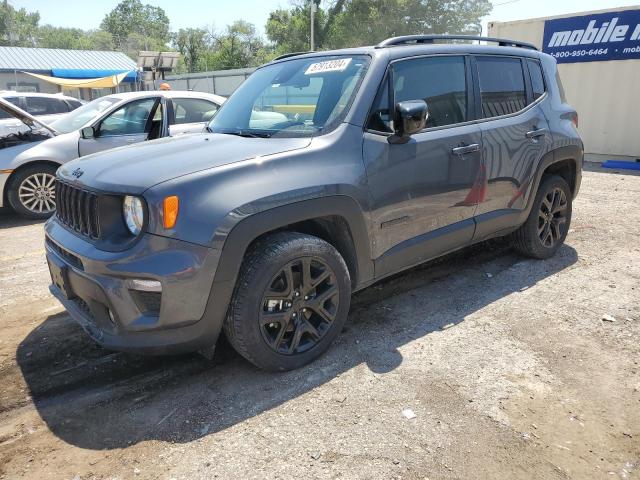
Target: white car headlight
pixel 133 212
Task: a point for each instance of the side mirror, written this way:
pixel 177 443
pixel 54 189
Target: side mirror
pixel 88 132
pixel 410 117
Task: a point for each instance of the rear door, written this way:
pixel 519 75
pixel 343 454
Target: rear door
pixel 422 190
pixel 515 135
pixel 46 109
pixel 129 124
pixel 190 114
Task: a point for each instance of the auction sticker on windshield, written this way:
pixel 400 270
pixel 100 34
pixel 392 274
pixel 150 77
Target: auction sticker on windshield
pixel 328 66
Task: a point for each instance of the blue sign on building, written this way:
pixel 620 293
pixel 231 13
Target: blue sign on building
pixel 593 38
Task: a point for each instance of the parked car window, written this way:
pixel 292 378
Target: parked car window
pixel 15 101
pixel 83 115
pixel 131 119
pixel 501 85
pixel 73 104
pixel 439 81
pixel 192 110
pixel 45 106
pixel 537 79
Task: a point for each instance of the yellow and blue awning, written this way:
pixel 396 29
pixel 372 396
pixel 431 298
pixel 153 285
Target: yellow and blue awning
pixel 82 82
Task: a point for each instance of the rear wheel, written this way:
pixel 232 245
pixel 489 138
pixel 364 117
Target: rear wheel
pixel 32 191
pixel 546 227
pixel 291 301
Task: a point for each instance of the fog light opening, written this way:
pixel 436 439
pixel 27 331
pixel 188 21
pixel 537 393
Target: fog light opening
pixel 145 285
pixel 111 317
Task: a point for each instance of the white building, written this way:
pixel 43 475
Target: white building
pixel 598 57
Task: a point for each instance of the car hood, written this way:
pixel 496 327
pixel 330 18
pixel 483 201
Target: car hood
pixel 26 118
pixel 134 169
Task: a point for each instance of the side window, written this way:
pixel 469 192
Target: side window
pixel 501 85
pixel 45 106
pixel 192 110
pixel 537 79
pixel 380 118
pixel 130 119
pixel 439 81
pixel 15 101
pixel 73 104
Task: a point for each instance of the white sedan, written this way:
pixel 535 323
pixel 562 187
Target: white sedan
pixel 30 157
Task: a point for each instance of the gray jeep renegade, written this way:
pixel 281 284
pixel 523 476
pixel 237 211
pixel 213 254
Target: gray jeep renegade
pixel 323 173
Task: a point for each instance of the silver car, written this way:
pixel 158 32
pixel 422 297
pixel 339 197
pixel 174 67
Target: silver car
pixel 29 157
pixel 46 107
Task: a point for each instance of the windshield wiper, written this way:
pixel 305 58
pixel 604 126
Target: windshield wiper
pixel 245 133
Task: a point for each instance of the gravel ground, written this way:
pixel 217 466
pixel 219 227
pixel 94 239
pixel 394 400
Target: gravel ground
pixel 506 363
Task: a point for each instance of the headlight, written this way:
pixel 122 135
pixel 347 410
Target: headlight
pixel 133 212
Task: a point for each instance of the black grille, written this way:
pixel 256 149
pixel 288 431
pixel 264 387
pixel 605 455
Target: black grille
pixel 77 209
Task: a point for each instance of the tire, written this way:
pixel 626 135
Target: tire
pixel 286 331
pixel 31 191
pixel 546 227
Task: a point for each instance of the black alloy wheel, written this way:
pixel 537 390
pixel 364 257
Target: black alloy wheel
pixel 290 301
pixel 299 306
pixel 547 225
pixel 552 217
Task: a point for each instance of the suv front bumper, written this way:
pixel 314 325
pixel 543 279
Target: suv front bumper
pixel 96 288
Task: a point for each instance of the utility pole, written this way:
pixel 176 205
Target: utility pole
pixel 313 12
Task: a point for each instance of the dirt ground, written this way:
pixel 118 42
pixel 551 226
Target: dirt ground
pixel 507 364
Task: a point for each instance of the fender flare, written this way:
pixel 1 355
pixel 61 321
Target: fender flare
pixel 246 230
pixel 253 226
pixel 568 152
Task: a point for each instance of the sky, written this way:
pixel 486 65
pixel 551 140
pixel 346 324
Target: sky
pixel 219 13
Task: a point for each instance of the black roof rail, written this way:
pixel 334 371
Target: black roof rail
pixel 422 39
pixel 291 54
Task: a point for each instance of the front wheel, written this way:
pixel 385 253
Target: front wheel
pixel 32 191
pixel 291 301
pixel 548 223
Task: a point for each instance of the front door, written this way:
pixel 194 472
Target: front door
pixel 515 135
pixel 129 124
pixel 423 190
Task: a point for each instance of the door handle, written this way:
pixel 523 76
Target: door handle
pixel 474 147
pixel 540 132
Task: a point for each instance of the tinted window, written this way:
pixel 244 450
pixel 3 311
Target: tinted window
pixel 537 80
pixel 501 86
pixel 192 110
pixel 130 119
pixel 439 81
pixel 15 101
pixel 45 106
pixel 73 104
pixel 380 118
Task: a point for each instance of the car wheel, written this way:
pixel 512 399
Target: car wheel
pixel 290 302
pixel 32 191
pixel 548 223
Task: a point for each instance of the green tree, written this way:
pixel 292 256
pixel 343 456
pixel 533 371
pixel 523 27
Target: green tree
pixel 18 27
pixel 149 25
pixel 350 23
pixel 238 47
pixel 192 45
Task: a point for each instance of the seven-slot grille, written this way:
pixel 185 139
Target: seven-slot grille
pixel 77 209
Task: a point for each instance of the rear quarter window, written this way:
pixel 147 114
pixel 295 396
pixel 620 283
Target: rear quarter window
pixel 537 79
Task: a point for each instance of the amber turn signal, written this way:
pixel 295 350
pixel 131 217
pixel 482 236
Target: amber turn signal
pixel 170 211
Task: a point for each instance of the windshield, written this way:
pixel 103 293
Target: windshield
pixel 304 97
pixel 82 115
